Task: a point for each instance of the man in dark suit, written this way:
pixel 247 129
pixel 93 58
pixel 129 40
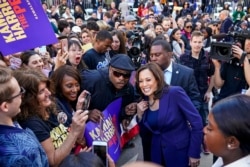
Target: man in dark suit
pixel 175 74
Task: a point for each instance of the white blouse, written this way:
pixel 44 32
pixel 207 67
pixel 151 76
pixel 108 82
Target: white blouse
pixel 243 162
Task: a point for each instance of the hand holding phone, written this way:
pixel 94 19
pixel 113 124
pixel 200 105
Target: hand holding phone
pixel 100 148
pixel 64 45
pixel 86 102
pixel 83 100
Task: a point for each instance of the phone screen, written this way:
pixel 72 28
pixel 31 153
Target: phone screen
pixel 101 151
pixel 64 45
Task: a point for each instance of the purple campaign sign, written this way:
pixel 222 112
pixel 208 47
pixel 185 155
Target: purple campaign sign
pixel 23 25
pixel 106 130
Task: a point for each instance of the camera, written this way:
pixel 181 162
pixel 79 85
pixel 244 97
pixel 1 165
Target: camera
pixel 137 45
pixel 223 50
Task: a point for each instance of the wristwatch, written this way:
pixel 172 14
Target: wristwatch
pixel 242 58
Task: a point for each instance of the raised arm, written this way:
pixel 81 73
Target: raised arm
pixel 56 156
pixel 218 81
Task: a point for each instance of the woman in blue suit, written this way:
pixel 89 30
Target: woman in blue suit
pixel 170 126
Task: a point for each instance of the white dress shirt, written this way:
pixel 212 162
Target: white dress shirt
pixel 168 73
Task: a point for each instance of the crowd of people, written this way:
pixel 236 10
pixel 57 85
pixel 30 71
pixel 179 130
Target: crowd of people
pixel 159 62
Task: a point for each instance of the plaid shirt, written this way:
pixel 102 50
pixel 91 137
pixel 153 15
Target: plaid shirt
pixel 203 68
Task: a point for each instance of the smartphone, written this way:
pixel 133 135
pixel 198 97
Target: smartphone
pixel 64 45
pixel 86 102
pixel 42 50
pixel 100 148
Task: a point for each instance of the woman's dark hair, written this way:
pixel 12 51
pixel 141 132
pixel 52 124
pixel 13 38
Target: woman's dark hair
pixel 58 75
pixel 74 42
pixel 232 116
pixel 81 65
pixel 186 2
pixel 25 56
pixel 171 38
pixel 185 24
pixel 30 79
pixel 159 77
pixel 87 159
pixel 209 33
pixel 121 36
pixel 188 21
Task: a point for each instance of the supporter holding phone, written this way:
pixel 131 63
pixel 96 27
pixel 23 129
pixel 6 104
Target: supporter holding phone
pixel 36 107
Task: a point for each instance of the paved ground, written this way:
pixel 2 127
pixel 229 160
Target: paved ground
pixel 206 160
pixel 135 154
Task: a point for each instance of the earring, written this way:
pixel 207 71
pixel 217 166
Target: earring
pixel 228 146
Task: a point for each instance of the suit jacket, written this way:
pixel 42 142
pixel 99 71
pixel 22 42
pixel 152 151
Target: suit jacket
pixel 179 130
pixel 184 77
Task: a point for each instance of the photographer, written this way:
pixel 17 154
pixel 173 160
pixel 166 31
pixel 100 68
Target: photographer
pixel 130 22
pixel 231 77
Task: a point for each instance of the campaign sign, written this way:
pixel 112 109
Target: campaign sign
pixel 106 130
pixel 23 26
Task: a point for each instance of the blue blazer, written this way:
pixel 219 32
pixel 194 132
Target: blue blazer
pixel 179 133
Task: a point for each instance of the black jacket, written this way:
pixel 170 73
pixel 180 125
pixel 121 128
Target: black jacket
pixel 102 90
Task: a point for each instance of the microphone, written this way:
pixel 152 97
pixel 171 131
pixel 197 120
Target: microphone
pixel 219 36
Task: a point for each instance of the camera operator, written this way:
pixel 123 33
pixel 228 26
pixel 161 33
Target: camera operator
pixel 130 22
pixel 135 41
pixel 231 77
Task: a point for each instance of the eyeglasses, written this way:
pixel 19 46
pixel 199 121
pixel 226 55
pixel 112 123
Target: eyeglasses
pixel 22 91
pixel 189 27
pixel 119 74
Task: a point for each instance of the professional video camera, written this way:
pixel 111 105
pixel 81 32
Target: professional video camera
pixel 223 50
pixel 137 45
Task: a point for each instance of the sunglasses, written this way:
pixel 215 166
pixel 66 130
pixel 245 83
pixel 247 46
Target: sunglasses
pixel 118 74
pixel 22 91
pixel 189 27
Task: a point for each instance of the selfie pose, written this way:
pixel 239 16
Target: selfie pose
pixel 36 107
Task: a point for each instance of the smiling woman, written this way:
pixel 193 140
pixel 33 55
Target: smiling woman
pixel 37 109
pixel 66 87
pixel 171 129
